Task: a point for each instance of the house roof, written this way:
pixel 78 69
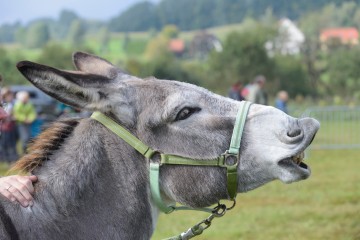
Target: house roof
pixel 177 45
pixel 344 34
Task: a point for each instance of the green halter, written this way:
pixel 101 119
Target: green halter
pixel 228 160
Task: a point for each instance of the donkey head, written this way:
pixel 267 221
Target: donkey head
pixel 186 120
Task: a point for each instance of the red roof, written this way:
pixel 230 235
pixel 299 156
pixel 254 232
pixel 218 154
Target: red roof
pixel 344 34
pixel 177 45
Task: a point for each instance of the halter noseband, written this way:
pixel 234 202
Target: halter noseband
pixel 229 159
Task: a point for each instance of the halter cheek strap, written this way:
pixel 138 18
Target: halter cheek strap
pixel 229 159
pixel 234 149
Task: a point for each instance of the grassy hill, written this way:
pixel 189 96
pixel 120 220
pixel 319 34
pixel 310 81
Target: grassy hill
pixel 117 49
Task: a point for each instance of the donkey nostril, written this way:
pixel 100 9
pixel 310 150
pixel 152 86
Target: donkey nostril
pixel 294 133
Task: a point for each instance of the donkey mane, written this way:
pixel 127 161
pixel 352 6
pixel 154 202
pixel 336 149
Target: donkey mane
pixel 47 142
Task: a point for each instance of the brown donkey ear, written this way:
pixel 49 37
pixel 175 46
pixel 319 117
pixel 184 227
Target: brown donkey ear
pixel 76 89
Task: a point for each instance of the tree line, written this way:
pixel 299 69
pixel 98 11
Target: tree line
pixel 144 16
pixel 200 14
pixel 69 26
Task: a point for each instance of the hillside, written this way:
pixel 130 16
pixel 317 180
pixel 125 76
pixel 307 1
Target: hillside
pixel 145 16
pixel 200 14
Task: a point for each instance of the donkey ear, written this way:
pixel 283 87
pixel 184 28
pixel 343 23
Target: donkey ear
pixel 76 89
pixel 93 64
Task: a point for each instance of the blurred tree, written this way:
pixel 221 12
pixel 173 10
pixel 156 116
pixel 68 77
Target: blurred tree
pixel 203 14
pixel 104 38
pixel 291 76
pixel 8 71
pixel 313 60
pixel 7 32
pixel 268 19
pixel 357 18
pixel 243 57
pixel 335 14
pixel 152 32
pixel 167 12
pixel 200 14
pixel 165 68
pixel 343 73
pixel 135 67
pixel 20 35
pixel 139 17
pixel 159 45
pixel 208 13
pixel 158 48
pixel 170 31
pixel 187 14
pixel 346 14
pixel 76 33
pixel 66 18
pixel 56 55
pixel 126 41
pixel 37 35
pixel 161 62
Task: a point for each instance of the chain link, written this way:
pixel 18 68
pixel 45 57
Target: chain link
pixel 199 228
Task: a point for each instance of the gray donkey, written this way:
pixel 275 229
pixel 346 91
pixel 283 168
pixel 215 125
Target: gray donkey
pixel 93 185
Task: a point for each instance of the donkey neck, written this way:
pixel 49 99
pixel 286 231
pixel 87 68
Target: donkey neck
pixel 93 180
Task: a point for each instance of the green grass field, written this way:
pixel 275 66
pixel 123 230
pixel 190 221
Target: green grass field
pixel 325 206
pixel 336 133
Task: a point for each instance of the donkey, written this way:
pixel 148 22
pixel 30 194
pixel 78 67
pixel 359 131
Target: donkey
pixel 93 185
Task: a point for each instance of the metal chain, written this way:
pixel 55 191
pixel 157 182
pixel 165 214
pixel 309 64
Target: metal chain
pixel 199 228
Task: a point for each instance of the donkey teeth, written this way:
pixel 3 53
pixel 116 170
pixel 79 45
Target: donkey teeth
pixel 298 158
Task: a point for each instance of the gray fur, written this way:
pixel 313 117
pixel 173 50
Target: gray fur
pixel 95 186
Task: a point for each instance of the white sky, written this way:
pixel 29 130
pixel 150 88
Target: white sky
pixel 26 10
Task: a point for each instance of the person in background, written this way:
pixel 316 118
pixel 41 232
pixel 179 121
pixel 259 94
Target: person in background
pixel 256 92
pixel 25 114
pixel 16 188
pixel 281 101
pixel 8 128
pixel 235 91
pixel 62 109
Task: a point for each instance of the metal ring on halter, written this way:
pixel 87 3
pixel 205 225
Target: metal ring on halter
pixel 155 157
pixel 232 206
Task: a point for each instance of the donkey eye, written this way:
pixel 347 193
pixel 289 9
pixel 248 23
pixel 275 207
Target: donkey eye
pixel 185 113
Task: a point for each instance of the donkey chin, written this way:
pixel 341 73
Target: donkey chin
pixel 293 169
